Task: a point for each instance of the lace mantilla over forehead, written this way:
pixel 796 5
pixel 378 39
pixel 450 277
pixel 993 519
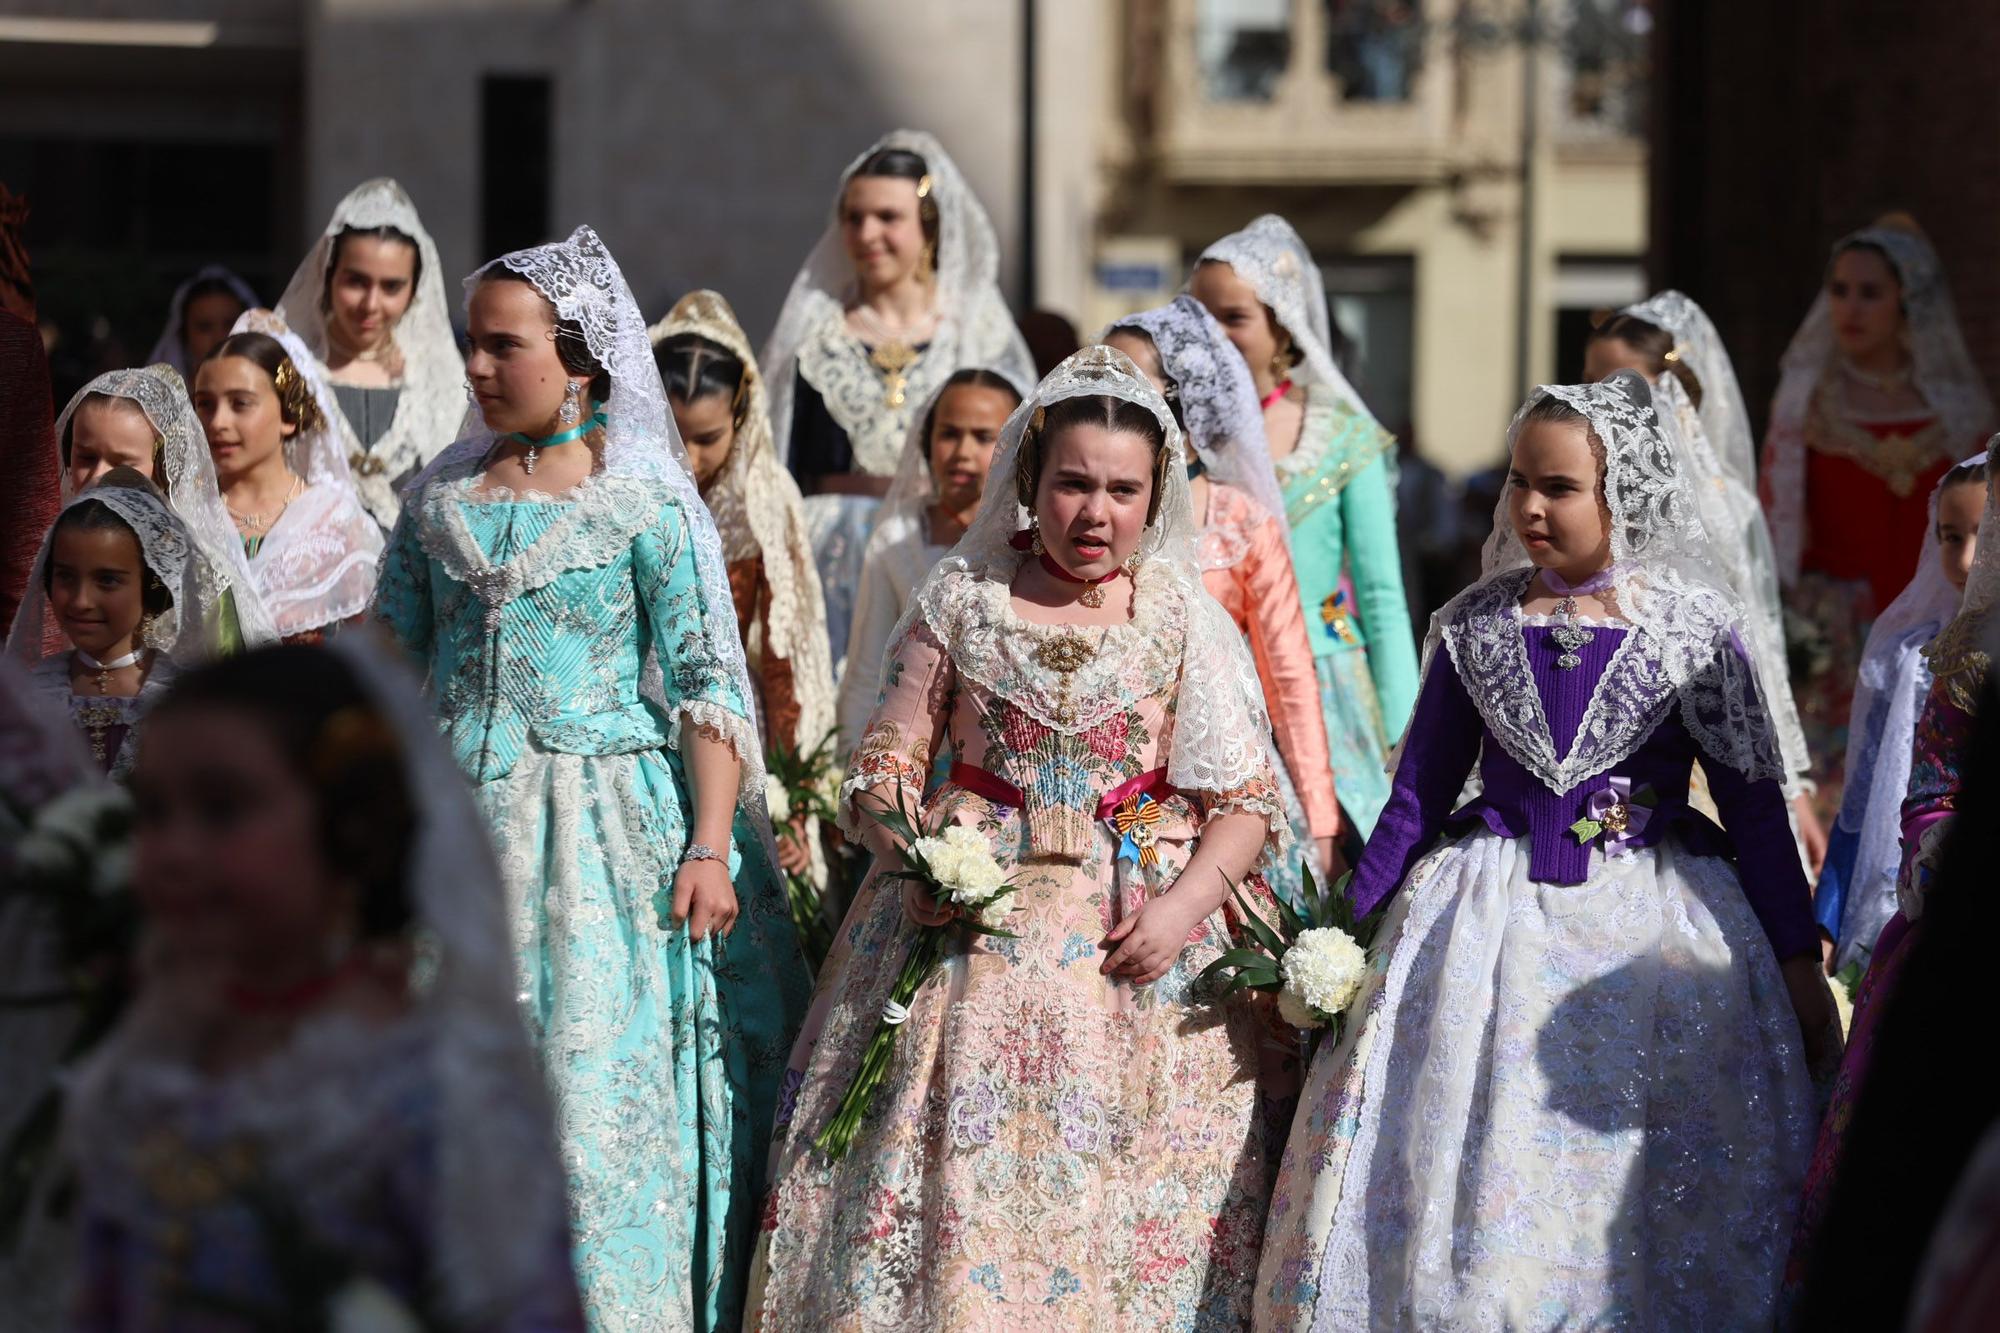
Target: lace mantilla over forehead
pixel 431 406
pixel 1724 417
pixel 168 552
pixel 1941 369
pixel 1221 732
pixel 756 508
pixel 974 327
pixel 1271 256
pixel 192 493
pixel 1664 582
pixel 1218 399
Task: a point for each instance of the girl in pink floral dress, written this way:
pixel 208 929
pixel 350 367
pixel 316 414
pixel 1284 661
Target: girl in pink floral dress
pixel 1074 1131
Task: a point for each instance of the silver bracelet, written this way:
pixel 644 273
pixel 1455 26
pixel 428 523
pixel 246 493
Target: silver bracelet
pixel 701 851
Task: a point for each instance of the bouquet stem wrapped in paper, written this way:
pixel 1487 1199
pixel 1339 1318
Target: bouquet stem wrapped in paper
pixel 956 867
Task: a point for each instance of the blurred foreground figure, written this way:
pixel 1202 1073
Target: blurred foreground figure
pixel 321 1107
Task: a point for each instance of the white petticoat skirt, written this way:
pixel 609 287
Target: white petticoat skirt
pixel 1565 1107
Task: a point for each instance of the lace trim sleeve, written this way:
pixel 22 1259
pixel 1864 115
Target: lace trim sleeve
pixel 695 681
pixel 715 722
pixel 907 729
pixel 1259 797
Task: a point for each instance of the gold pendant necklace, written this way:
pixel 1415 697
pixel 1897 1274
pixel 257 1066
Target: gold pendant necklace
pixel 893 360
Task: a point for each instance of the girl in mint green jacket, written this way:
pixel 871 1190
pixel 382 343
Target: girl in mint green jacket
pixel 1335 465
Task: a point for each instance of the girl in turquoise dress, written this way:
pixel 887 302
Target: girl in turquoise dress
pixel 1335 464
pixel 561 581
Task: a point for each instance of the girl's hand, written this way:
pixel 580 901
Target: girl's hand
pixel 1145 944
pixel 794 857
pixel 1332 865
pixel 1819 1021
pixel 922 908
pixel 704 899
pixel 1812 833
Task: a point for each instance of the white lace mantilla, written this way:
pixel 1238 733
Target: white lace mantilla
pixel 1719 701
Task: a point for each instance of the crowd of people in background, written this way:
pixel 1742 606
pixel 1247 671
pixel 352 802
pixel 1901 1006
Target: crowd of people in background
pixel 574 821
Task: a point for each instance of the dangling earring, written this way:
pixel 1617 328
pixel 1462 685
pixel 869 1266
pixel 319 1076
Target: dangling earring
pixel 1280 363
pixel 572 408
pixel 1035 540
pixel 930 258
pixel 148 625
pixel 1131 566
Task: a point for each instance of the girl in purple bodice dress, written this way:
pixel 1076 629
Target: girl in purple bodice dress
pixel 1577 1090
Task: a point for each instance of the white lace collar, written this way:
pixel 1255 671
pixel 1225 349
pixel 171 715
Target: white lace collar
pixel 599 518
pixel 994 647
pixel 837 365
pixel 1717 692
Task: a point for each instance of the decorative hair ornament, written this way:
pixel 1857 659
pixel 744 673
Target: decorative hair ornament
pixel 924 186
pixel 295 397
pixel 1673 355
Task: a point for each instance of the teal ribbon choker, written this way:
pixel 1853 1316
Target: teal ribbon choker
pixel 593 422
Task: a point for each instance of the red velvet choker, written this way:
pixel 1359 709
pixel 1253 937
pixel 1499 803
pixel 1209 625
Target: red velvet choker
pixel 1093 591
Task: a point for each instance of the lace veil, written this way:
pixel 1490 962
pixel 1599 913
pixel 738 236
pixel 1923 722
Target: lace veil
pixel 189 481
pixel 498 1179
pixel 316 565
pixel 755 504
pixel 1724 418
pixel 169 552
pixel 170 348
pixel 1270 256
pixel 1683 643
pixel 432 404
pixel 1878 768
pixel 913 490
pixel 1218 399
pixel 973 325
pixel 1942 367
pixel 1740 549
pixel 1221 738
pixel 1961 655
pixel 585 285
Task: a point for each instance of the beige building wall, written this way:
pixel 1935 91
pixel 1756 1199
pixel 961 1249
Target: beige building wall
pixel 1436 180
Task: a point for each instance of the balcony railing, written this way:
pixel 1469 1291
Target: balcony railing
pixel 1371 91
pixel 1280 90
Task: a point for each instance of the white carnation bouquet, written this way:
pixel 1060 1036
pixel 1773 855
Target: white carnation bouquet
pixel 1314 960
pixel 955 865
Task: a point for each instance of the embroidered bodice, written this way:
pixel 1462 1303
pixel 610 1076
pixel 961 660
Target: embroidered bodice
pixel 1872 477
pixel 109 724
pixel 1340 502
pixel 540 615
pixel 1063 715
pixel 1547 739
